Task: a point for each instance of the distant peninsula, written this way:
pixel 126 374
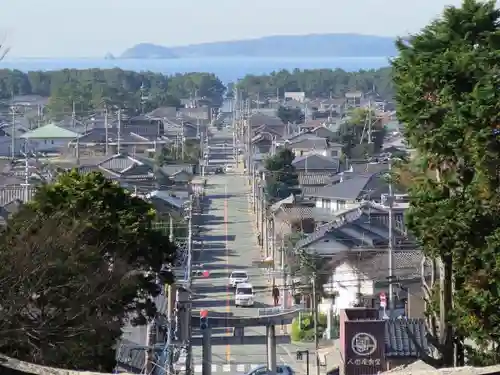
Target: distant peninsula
pixel 314 45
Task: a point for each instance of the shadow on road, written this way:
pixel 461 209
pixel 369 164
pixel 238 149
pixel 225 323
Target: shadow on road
pixel 211 303
pixel 208 288
pixel 212 238
pixel 246 340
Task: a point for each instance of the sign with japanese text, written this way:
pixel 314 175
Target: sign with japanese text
pixel 364 347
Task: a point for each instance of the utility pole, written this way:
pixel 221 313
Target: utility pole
pixel 118 141
pixel 391 244
pixel 73 115
pixel 13 133
pixel 106 149
pixel 26 184
pixel 189 355
pixel 315 317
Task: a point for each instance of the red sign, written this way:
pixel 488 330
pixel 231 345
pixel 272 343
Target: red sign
pixel 203 313
pixel 206 273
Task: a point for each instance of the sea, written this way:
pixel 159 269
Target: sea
pixel 228 69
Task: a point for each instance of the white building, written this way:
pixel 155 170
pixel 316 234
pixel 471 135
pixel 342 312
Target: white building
pixel 49 138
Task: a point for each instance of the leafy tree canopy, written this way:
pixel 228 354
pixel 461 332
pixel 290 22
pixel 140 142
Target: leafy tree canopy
pixel 447 81
pixel 318 83
pixel 281 179
pixel 291 115
pixel 76 264
pixel 91 89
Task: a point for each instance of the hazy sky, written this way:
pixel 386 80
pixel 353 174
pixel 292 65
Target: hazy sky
pixel 91 28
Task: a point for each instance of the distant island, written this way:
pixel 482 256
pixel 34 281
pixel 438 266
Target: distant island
pixel 315 45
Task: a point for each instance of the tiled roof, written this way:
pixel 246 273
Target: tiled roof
pixel 318 178
pixel 406 265
pixel 50 131
pixel 358 227
pixel 310 143
pixel 398 342
pixel 356 186
pixel 314 162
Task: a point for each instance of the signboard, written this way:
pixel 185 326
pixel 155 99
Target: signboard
pixel 364 347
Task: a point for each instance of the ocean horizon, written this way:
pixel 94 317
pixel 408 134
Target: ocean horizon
pixel 228 69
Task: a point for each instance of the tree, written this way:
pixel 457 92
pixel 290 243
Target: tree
pixel 353 134
pixel 88 89
pixel 318 83
pixel 78 262
pixel 446 79
pixel 172 154
pixel 291 115
pixel 281 180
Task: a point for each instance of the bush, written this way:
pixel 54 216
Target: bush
pixel 303 330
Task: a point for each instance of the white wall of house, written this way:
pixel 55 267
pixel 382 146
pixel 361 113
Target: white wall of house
pixel 334 205
pixel 347 282
pixel 6 146
pixel 47 145
pixel 308 151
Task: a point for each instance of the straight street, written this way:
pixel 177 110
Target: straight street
pixel 230 243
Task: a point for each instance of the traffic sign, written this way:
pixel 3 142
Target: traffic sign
pixel 383 300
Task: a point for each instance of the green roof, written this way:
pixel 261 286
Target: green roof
pixel 50 131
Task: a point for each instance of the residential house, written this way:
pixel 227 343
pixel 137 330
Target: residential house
pixel 351 189
pixel 324 132
pixel 354 99
pixel 314 163
pixel 104 141
pixel 49 138
pixel 197 113
pixel 309 145
pixel 24 103
pixel 310 124
pixel 354 243
pixel 295 95
pixel 162 113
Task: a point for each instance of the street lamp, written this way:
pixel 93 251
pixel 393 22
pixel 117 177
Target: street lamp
pixel 300 354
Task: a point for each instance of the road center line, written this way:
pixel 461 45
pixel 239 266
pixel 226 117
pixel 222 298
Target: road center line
pixel 228 305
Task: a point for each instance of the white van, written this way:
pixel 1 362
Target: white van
pixel 244 296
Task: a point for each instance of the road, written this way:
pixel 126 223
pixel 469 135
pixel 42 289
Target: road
pixel 230 243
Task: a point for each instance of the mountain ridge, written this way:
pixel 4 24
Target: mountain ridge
pixel 311 45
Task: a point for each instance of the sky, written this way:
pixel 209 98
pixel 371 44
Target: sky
pixel 92 28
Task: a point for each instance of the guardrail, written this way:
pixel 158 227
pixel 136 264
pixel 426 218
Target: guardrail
pixel 270 311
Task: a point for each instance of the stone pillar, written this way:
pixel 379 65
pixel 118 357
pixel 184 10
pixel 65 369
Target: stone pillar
pixel 271 349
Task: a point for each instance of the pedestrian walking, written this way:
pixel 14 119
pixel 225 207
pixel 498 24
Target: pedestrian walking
pixel 276 295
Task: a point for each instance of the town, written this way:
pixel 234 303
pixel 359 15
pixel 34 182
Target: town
pixel 299 222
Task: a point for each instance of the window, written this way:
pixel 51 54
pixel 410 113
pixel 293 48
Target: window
pixel 335 153
pixel 340 204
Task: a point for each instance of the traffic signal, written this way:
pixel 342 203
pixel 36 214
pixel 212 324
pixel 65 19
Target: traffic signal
pixel 203 319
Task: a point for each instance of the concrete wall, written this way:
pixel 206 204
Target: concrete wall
pixel 10 366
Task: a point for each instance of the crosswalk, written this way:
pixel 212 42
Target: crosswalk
pixel 226 368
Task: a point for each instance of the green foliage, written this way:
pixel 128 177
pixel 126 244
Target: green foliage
pixel 172 154
pixel 291 115
pixel 447 94
pixel 281 178
pixel 318 83
pixel 92 89
pixel 303 327
pixel 76 265
pixel 354 134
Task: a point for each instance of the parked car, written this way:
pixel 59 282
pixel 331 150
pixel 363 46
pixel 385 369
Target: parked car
pixel 280 369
